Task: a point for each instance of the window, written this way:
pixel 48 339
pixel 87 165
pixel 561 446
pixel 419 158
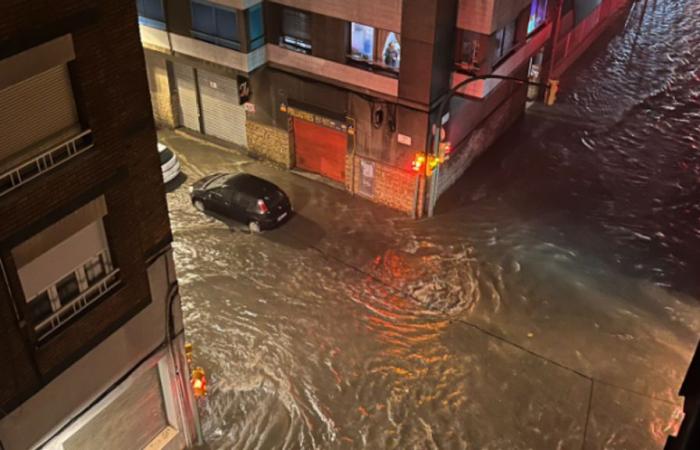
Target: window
pixel 216 25
pixel 538 14
pixel 65 268
pixel 362 41
pixel 63 300
pixel 151 13
pixel 67 289
pixel 256 30
pixel 470 49
pixel 391 51
pixel 296 30
pixel 378 47
pixel 94 270
pixel 505 41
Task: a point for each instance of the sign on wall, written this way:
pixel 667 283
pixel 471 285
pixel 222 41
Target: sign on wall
pixel 243 89
pixel 367 178
pixel 315 118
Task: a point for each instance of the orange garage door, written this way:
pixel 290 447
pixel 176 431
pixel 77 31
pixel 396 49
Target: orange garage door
pixel 320 149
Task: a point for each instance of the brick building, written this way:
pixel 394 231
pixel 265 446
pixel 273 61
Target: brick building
pixel 91 335
pixel 350 90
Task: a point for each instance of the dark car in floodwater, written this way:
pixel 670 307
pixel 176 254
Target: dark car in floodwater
pixel 243 197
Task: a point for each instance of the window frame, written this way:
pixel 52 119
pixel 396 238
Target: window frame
pixel 217 39
pixel 58 305
pixel 361 56
pixel 502 52
pixel 293 41
pixel 255 42
pixel 159 23
pixel 376 63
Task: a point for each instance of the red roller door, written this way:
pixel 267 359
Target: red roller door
pixel 320 149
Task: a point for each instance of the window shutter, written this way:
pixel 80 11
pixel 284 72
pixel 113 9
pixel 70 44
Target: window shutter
pixel 297 24
pixel 35 110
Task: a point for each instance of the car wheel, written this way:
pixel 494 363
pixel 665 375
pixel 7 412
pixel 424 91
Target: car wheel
pixel 254 227
pixel 199 205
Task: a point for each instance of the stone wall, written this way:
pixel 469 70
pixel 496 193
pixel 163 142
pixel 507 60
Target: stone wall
pixel 393 187
pixel 269 142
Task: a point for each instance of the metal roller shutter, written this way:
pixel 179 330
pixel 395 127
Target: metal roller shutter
pixel 222 116
pixel 131 420
pixel 35 109
pixel 320 149
pixel 188 107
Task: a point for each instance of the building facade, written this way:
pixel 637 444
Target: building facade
pixel 91 334
pixel 349 90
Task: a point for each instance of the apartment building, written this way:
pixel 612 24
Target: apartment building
pixel 349 90
pixel 91 334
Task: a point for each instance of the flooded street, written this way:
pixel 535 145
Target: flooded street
pixel 552 303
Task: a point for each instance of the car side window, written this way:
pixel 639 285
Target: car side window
pixel 231 196
pixel 247 202
pixel 216 193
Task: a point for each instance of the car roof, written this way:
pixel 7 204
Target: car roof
pixel 250 184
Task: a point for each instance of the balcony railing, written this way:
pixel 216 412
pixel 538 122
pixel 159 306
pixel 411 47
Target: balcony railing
pixel 93 294
pixel 35 167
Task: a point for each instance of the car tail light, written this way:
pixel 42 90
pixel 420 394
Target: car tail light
pixel 262 207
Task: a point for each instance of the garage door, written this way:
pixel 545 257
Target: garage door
pixel 320 150
pixel 223 117
pixel 187 97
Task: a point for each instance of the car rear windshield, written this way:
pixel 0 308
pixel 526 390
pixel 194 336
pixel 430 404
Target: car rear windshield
pixel 273 198
pixel 165 156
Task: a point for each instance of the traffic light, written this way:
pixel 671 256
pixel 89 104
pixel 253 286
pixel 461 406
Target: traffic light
pixel 418 161
pixel 444 151
pixel 551 94
pixel 432 164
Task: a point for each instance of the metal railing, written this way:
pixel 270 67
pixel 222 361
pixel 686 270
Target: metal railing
pixel 35 167
pixel 67 312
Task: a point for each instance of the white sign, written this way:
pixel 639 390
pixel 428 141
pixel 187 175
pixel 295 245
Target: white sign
pixel 249 107
pixel 213 85
pixel 403 139
pixel 367 177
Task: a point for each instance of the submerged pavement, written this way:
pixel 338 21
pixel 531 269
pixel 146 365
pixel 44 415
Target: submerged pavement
pixel 552 303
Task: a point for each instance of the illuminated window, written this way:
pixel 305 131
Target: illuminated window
pixel 378 47
pixel 391 51
pixel 538 14
pixel 362 41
